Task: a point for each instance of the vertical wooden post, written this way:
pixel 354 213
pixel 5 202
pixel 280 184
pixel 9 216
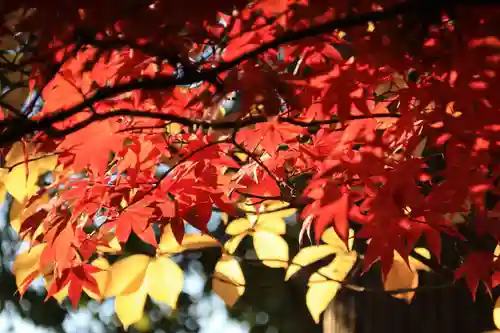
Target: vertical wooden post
pixel 449 310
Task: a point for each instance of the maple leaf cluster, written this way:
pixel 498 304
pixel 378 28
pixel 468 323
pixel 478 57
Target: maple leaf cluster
pixel 377 122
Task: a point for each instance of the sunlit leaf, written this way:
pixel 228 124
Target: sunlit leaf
pixel 198 241
pixel 319 295
pixel 232 244
pixel 27 263
pixel 496 313
pixel 401 277
pixel 165 280
pixel 423 252
pixel 242 156
pixel 173 128
pixel 496 253
pixel 271 223
pixel 271 249
pixel 279 209
pixel 112 246
pixel 417 265
pixel 168 243
pixel 272 219
pixel 103 277
pixel 127 275
pixel 16 182
pixel 238 226
pixel 324 284
pixel 228 281
pixel 330 237
pixel 307 256
pixel 130 307
pixel 269 218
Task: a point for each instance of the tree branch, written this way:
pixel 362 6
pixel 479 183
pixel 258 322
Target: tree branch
pixel 13 130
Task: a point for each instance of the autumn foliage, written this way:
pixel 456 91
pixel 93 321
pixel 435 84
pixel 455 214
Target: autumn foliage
pixel 375 125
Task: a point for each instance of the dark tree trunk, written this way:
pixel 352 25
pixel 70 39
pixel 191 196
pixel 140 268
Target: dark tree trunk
pixel 446 310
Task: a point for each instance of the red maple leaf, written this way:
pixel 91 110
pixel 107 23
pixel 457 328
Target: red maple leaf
pixel 135 217
pixel 269 135
pixel 91 146
pixel 330 207
pixel 78 277
pixel 476 268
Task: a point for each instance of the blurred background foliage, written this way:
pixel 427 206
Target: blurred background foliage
pixel 269 304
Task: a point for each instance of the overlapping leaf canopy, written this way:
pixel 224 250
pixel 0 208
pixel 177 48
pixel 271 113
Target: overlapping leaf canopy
pixel 377 117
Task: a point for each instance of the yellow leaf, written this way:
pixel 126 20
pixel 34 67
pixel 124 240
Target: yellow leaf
pixel 173 128
pixel 307 256
pixel 271 223
pixel 130 308
pixel 232 244
pixel 198 241
pixel 136 276
pixel 3 174
pixel 272 218
pixel 168 243
pixel 271 249
pixel 340 266
pixel 497 251
pixel 27 263
pixel 16 215
pixel 165 280
pixel 15 155
pixel 401 277
pixel 242 156
pixel 238 226
pixel 228 281
pixel 279 208
pixel 20 212
pixel 103 277
pixel 16 182
pixel 371 26
pixel 127 275
pixel 112 246
pixel 415 264
pixel 319 295
pixel 330 237
pixel 101 263
pixel 123 203
pixel 496 313
pixel 324 284
pixel 423 252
